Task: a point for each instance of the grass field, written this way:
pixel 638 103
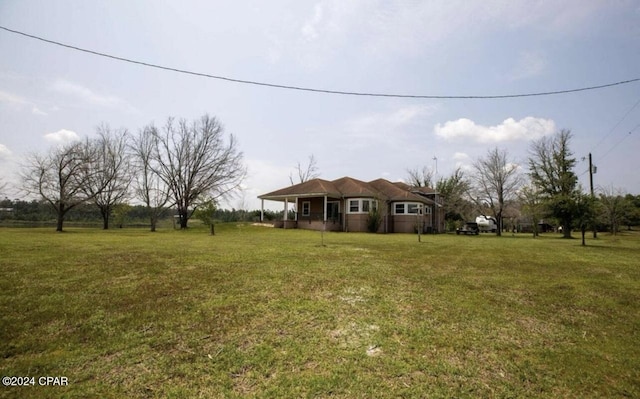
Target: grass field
pixel 261 312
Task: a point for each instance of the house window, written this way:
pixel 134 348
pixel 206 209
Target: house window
pixel 306 208
pixel 362 205
pixel 403 208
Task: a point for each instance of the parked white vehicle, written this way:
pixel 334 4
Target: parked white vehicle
pixel 487 224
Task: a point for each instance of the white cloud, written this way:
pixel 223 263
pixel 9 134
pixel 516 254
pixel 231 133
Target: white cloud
pixel 12 99
pixel 310 28
pixel 20 103
pixel 528 65
pixel 5 152
pixel 462 161
pixel 510 130
pixel 62 136
pixel 37 111
pixel 324 33
pixel 385 123
pixel 389 28
pixel 461 156
pixel 403 124
pixel 86 95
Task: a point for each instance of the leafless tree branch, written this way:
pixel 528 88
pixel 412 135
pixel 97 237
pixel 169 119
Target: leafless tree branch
pixel 306 173
pixel 193 160
pixel 496 180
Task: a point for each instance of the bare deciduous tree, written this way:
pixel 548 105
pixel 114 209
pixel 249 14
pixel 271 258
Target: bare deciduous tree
pixel 306 173
pixel 194 160
pixel 3 187
pixel 60 177
pixel 496 180
pixel 111 171
pixel 420 178
pixel 148 186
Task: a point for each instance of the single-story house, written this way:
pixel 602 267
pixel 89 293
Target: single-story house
pixel 346 204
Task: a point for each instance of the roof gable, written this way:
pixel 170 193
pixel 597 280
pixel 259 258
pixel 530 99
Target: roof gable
pixel 348 187
pixel 397 191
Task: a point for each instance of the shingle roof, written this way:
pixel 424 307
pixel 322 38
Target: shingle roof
pixel 422 190
pixel 348 187
pixel 309 188
pixel 394 192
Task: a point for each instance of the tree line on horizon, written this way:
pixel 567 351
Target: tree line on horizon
pixel 39 212
pixel 549 190
pixel 179 165
pixel 185 168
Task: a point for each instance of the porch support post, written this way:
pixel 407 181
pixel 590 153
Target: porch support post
pixel 262 211
pixel 344 214
pixel 324 213
pixel 286 209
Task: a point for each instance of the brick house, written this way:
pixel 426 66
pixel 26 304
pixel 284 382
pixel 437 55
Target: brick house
pixel 345 204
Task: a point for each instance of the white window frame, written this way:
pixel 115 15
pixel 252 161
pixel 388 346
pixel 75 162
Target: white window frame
pixel 308 208
pixel 395 208
pixel 357 205
pixel 405 208
pixel 372 205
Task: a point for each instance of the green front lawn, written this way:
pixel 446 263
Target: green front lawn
pixel 262 312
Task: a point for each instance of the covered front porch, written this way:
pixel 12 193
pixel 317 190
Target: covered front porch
pixel 317 212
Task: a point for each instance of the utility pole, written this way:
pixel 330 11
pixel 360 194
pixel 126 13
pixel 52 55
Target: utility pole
pixel 592 170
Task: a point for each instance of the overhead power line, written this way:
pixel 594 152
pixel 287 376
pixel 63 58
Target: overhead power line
pixel 315 90
pixel 619 142
pixel 617 124
pixel 604 155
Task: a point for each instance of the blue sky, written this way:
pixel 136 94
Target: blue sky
pixel 49 94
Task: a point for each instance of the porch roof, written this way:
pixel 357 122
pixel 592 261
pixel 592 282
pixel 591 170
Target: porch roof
pixel 310 188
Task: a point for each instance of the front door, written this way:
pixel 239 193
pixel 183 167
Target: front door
pixel 333 211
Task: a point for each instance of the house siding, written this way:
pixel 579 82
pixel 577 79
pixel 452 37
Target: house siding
pixel 356 222
pixel 406 223
pixel 317 192
pixel 314 221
